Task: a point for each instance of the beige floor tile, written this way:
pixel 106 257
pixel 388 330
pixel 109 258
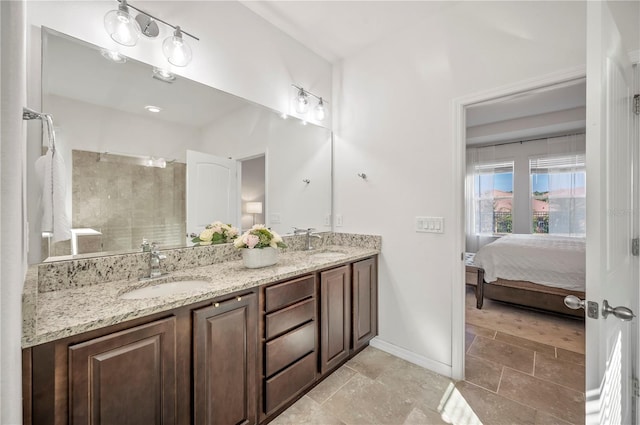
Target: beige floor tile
pixel 482 372
pixel 372 362
pixel 543 418
pixel 570 356
pixel 560 372
pixel 479 330
pixel 493 409
pixel 526 343
pixel 331 384
pixel 502 353
pixel 306 411
pixel 559 401
pixel 468 340
pixel 365 401
pixel 424 417
pixel 415 384
pixel 557 331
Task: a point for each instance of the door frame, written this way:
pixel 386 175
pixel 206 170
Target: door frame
pixel 458 114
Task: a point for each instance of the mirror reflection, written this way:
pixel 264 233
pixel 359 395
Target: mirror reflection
pixel 153 156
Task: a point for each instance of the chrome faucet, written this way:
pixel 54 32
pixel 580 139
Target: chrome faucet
pixel 154 262
pixel 309 233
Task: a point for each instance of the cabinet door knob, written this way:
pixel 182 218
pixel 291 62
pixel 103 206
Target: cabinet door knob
pixel 216 305
pixel 239 299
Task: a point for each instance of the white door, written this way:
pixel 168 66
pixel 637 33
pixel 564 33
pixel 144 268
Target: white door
pixel 611 267
pixel 212 191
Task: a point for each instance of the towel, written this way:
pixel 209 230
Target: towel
pixel 51 171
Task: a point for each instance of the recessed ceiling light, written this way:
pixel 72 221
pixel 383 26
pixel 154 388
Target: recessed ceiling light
pixel 113 56
pixel 163 75
pixel 154 109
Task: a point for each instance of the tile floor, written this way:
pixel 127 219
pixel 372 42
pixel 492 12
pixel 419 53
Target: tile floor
pixel 522 367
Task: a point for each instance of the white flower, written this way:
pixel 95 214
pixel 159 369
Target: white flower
pixel 239 242
pixel 276 237
pixel 258 226
pixel 206 235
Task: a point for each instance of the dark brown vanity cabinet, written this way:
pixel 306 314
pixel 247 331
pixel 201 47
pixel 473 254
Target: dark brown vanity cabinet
pixel 289 341
pixel 364 302
pixel 191 365
pixel 224 362
pixel 128 377
pixel 335 317
pixel 348 312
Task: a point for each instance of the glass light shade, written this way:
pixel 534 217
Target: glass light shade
pixel 302 103
pixel 320 111
pixel 176 50
pixel 121 26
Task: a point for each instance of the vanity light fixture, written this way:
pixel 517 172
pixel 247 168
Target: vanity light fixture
pixel 154 109
pixel 176 50
pixel 302 104
pixel 121 26
pixel 319 110
pixel 125 30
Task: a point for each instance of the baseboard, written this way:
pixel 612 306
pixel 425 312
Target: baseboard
pixel 411 357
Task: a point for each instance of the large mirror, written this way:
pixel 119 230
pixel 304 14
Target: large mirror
pixel 136 173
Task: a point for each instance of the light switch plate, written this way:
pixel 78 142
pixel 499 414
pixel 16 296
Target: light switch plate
pixel 338 220
pixel 327 220
pixel 275 218
pixel 430 224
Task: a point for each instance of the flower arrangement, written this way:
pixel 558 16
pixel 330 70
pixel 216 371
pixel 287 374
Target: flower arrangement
pixel 259 237
pixel 215 233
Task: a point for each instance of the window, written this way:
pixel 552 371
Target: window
pixel 493 198
pixel 558 195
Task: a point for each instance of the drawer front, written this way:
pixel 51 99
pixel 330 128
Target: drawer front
pixel 288 318
pixel 287 293
pixel 288 348
pixel 286 384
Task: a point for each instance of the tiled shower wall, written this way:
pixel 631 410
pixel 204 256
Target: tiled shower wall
pixel 128 202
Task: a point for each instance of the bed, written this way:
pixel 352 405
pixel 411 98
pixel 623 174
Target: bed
pixel 535 271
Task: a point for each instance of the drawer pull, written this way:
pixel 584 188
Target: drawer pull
pixel 239 299
pixel 216 305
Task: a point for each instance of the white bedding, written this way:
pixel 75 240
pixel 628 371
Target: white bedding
pixel 555 261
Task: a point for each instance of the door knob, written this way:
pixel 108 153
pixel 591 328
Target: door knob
pixel 573 302
pixel 622 313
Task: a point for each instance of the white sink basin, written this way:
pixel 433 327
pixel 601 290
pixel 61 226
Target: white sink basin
pixel 164 289
pixel 327 255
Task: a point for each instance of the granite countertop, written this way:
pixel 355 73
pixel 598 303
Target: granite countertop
pixel 48 316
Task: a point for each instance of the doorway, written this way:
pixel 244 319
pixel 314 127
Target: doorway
pixel 503 343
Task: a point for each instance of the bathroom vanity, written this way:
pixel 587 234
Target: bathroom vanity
pixel 240 351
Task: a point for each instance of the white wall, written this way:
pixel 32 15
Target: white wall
pixel 395 123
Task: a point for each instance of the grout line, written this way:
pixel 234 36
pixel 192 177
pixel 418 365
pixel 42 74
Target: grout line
pixel 533 373
pixel 500 380
pixel 341 386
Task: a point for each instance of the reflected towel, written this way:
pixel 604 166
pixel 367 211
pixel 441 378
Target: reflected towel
pixel 50 170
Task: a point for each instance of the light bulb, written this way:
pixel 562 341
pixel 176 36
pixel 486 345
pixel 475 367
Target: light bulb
pixel 113 56
pixel 176 50
pixel 302 103
pixel 121 26
pixel 320 112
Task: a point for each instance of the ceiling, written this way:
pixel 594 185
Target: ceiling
pixel 338 29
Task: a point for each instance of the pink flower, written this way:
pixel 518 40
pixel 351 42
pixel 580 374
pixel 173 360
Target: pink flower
pixel 251 241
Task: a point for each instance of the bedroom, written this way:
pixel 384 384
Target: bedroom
pixel 525 238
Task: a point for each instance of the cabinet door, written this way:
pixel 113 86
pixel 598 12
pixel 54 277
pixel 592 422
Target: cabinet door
pixel 365 302
pixel 224 362
pixel 335 317
pixel 125 378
